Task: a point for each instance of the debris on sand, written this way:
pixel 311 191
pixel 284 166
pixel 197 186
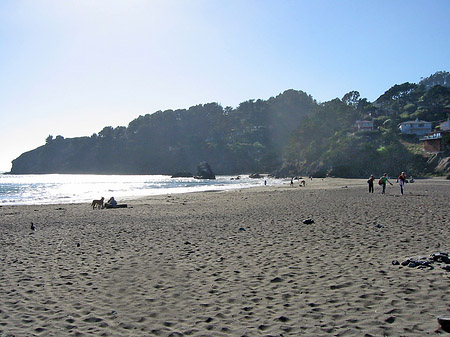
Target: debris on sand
pixel 423 262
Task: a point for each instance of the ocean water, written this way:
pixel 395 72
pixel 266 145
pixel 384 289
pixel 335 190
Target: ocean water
pixel 78 188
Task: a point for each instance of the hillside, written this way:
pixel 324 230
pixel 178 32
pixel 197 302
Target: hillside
pixel 335 148
pixel 290 134
pixel 248 138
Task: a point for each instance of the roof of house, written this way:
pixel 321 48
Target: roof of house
pixel 414 122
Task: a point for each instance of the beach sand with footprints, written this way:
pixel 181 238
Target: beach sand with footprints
pixel 237 263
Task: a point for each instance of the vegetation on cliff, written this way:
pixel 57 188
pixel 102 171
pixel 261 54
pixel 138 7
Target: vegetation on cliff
pixel 326 142
pixel 290 134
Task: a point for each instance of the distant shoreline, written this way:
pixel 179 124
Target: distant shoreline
pixel 69 188
pixel 314 184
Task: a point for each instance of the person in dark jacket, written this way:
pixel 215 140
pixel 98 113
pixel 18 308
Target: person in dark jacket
pixel 370 182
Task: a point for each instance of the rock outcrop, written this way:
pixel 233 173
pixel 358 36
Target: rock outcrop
pixel 444 166
pixel 204 171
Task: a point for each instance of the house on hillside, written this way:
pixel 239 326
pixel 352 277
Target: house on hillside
pixel 417 127
pixel 445 126
pixel 434 142
pixel 364 126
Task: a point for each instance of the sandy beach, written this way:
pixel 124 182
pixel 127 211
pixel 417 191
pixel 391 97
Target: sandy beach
pixel 237 263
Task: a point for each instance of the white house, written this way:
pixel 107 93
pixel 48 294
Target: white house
pixel 416 127
pixel 364 125
pixel 445 125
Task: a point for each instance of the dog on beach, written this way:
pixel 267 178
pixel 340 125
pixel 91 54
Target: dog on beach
pixel 303 183
pixel 97 203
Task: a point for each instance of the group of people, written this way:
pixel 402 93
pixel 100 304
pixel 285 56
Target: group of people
pixel 401 180
pixel 302 182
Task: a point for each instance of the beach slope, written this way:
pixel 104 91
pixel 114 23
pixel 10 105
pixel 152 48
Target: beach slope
pixel 237 263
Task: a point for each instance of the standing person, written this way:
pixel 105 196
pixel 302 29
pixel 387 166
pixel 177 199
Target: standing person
pixel 383 181
pixel 370 182
pixel 401 181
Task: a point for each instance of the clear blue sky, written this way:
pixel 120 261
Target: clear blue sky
pixel 72 67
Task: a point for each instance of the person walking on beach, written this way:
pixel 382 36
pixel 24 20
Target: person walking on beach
pixel 370 182
pixel 401 181
pixel 383 181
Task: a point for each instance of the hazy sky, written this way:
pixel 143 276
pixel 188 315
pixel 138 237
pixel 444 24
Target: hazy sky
pixel 72 67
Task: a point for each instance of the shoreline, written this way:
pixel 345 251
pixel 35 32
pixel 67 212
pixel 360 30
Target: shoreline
pixel 315 183
pixel 69 189
pixel 230 264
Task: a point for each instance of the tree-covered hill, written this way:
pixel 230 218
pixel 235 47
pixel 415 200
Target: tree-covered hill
pixel 290 134
pixel 326 141
pixel 248 138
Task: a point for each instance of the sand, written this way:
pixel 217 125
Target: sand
pixel 238 263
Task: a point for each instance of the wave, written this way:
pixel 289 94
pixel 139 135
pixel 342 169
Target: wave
pixel 73 188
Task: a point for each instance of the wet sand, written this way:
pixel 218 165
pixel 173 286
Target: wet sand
pixel 238 263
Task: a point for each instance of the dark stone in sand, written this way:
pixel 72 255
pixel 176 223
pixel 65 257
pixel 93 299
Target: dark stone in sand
pixel 440 257
pixel 283 319
pixel 422 262
pixel 444 321
pixel 308 221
